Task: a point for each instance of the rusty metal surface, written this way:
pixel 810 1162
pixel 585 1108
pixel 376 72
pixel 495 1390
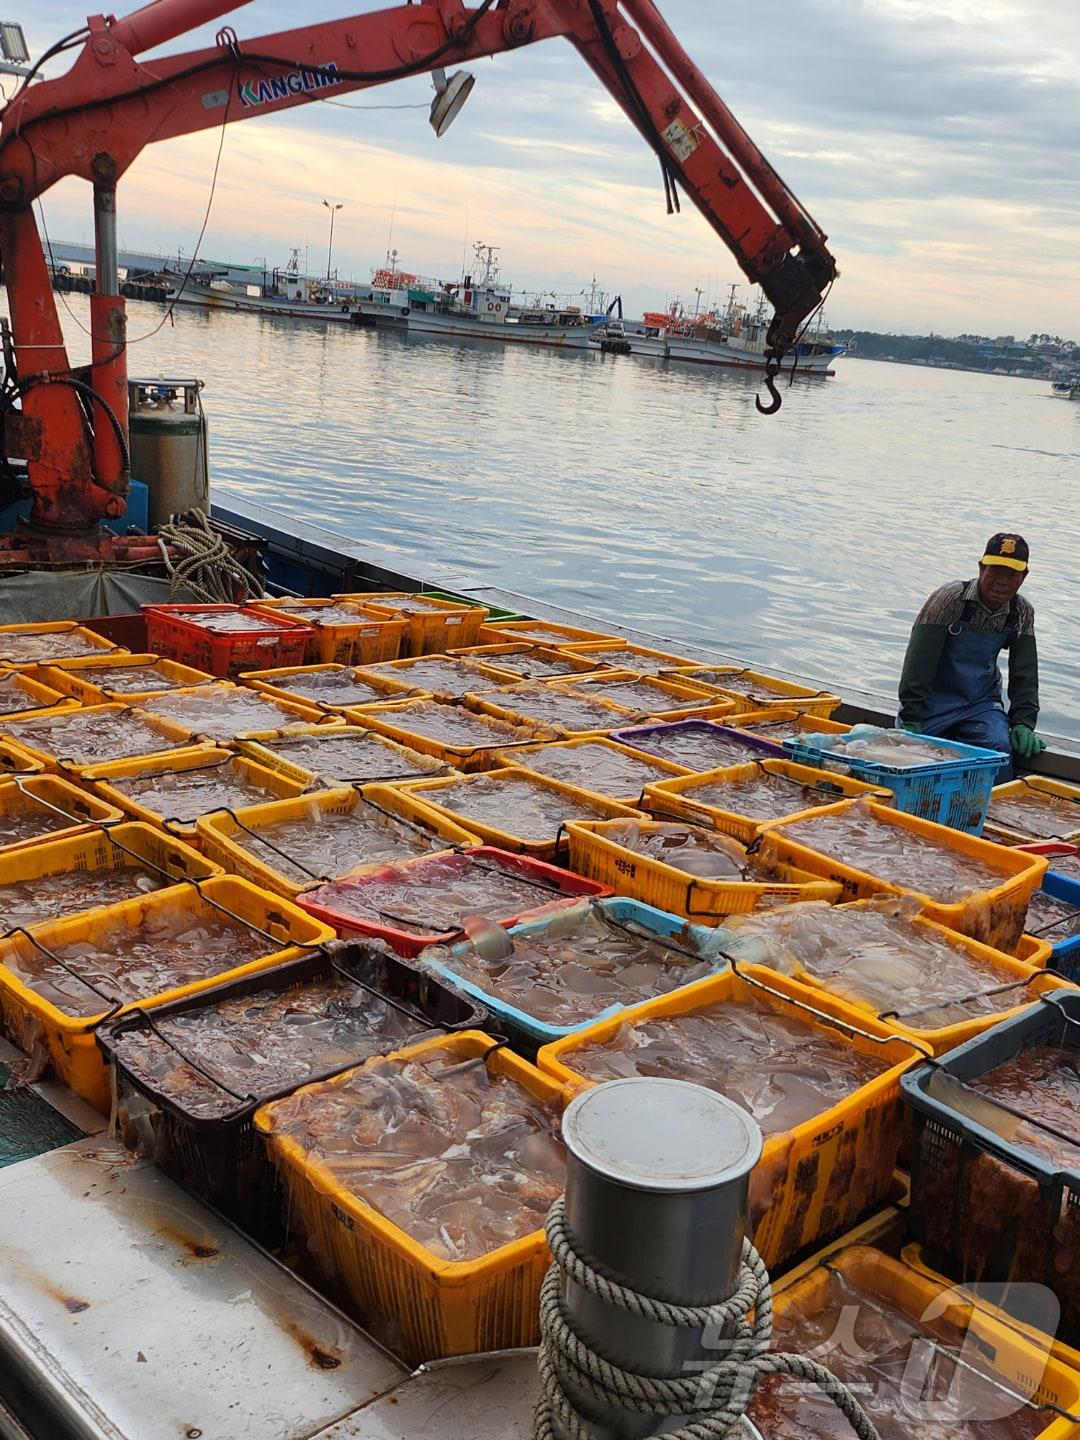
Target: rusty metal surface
pixel 486 1397
pixel 129 1312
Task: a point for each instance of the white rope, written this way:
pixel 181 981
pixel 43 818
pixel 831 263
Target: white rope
pixel 208 568
pixel 716 1396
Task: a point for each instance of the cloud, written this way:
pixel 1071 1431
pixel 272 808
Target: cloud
pixel 938 148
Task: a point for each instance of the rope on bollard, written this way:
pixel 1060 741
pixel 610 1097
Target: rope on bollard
pixel 716 1396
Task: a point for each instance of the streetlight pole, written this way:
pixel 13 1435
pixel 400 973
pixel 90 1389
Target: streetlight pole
pixel 330 250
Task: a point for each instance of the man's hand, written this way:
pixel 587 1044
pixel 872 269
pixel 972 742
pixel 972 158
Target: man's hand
pixel 1025 743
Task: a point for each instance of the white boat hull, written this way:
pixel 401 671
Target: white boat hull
pixel 206 298
pixel 718 352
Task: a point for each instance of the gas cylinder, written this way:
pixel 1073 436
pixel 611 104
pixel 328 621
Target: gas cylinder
pixel 169 446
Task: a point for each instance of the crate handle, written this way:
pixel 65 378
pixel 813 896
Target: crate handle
pixel 319 879
pixel 241 1100
pixel 944 1351
pixel 344 971
pixel 957 1000
pixel 834 1020
pixel 276 940
pixel 656 941
pixel 106 827
pixel 58 810
pixel 110 1000
pixel 421 830
pixel 472 1062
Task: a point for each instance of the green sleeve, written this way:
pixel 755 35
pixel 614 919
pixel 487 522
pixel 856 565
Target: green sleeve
pixel 920 670
pixel 1024 681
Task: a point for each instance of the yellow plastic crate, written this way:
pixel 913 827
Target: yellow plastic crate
pixel 674 799
pixel 1009 836
pixel 1034 950
pixel 275 683
pixel 45 795
pixel 489 656
pixel 430 1307
pixel 771 691
pixel 640 877
pixel 442 623
pixel 544 632
pixel 995 916
pixel 943 1038
pixel 518 759
pixel 102 779
pixel 395 724
pixel 620 654
pixel 511 707
pixel 120 846
pixel 14 760
pixel 264 752
pixel 1028 1365
pixel 27 696
pixel 427 792
pixel 222 836
pixel 35 647
pixel 769 724
pixel 365 641
pixel 397 674
pixel 28 1020
pixel 295 711
pixel 87 678
pixel 912 1256
pixel 818 1178
pixel 662 699
pixel 172 735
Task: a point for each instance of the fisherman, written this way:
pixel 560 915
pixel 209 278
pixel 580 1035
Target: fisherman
pixel 951 684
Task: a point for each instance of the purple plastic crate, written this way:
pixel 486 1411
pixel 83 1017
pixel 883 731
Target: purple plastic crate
pixel 744 747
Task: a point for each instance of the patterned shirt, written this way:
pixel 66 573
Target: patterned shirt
pixel 946 607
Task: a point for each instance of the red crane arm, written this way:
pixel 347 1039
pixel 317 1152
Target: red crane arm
pixel 95 120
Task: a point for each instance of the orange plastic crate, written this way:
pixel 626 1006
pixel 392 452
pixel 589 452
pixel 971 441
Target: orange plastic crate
pixel 224 654
pixel 430 1307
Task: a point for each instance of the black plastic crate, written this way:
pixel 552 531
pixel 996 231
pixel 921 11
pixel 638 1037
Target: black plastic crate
pixel 984 1210
pixel 221 1159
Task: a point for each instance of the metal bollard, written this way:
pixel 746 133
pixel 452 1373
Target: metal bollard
pixel 656 1198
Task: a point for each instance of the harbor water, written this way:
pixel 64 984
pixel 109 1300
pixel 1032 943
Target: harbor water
pixel 647 492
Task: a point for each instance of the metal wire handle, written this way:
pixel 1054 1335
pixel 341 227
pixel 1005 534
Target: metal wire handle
pixel 110 1000
pixel 262 840
pixel 955 1356
pixel 833 1020
pixel 58 810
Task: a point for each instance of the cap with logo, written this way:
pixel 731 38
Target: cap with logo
pixel 1008 550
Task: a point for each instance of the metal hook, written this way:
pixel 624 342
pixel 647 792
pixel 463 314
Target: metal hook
pixel 772 369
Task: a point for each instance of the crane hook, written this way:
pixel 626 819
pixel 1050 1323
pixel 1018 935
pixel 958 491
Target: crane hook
pixel 772 369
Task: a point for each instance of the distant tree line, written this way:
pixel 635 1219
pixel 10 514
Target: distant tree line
pixel 971 351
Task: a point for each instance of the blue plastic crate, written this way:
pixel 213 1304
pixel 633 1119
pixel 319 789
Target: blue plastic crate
pixel 954 793
pixel 525 1031
pixel 1065 957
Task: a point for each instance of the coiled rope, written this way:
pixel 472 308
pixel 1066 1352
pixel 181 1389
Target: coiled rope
pixel 208 568
pixel 717 1395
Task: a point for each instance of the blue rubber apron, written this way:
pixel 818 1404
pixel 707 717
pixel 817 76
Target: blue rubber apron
pixel 967 688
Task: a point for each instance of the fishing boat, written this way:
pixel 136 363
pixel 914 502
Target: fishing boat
pixel 1066 389
pixel 284 291
pixel 479 306
pixel 736 337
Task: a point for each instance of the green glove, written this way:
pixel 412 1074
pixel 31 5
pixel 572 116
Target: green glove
pixel 913 727
pixel 1025 743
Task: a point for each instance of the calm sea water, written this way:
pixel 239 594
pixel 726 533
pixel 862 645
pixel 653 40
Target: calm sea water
pixel 652 493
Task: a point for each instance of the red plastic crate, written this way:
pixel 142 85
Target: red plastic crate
pixel 226 656
pixel 409 943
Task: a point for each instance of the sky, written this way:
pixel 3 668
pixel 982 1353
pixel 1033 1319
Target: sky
pixel 938 144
